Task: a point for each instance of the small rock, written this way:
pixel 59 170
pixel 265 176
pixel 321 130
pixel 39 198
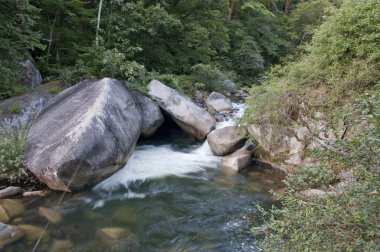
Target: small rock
pixel 113 233
pixel 61 246
pixel 42 193
pixel 50 215
pixel 217 102
pixel 10 191
pixel 313 194
pixel 238 160
pixel 198 96
pixel 345 176
pixel 9 234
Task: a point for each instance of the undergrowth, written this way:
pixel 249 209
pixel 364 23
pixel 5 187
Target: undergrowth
pixel 11 154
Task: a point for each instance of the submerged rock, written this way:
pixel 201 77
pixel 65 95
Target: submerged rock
pixel 217 102
pixel 10 208
pixel 10 191
pixel 32 232
pixel 191 118
pixel 61 246
pixel 152 117
pixel 9 234
pixel 238 160
pixel 87 133
pixel 226 140
pixel 112 234
pixel 50 215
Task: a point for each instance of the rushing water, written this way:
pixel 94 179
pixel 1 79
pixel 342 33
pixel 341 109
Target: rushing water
pixel 171 196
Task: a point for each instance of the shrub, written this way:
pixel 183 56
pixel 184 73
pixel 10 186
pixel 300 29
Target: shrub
pixel 212 77
pixel 309 176
pixel 11 154
pixel 14 108
pixel 344 222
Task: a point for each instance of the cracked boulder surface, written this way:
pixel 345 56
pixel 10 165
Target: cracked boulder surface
pixel 86 134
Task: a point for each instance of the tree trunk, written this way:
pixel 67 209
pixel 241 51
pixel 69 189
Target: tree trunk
pixel 98 24
pixel 51 35
pixel 287 6
pixel 231 10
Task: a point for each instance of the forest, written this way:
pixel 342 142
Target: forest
pixel 308 65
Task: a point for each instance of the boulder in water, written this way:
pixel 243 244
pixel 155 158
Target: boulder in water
pixel 238 160
pixel 10 208
pixel 226 140
pixel 152 117
pixel 87 133
pixel 191 118
pixel 9 234
pixel 217 102
pixel 10 191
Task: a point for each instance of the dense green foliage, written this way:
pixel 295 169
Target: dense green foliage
pixel 347 221
pixel 17 36
pixel 137 37
pixel 337 73
pixel 343 58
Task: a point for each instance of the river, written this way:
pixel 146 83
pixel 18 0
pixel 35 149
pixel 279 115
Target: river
pixel 171 196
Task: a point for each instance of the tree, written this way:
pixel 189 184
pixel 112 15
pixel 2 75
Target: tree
pixel 98 23
pixel 17 36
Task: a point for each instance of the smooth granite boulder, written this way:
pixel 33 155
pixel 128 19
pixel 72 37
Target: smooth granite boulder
pixel 191 118
pixel 217 102
pixel 226 140
pixel 87 133
pixel 152 117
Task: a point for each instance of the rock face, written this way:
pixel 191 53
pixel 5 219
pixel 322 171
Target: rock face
pixel 152 117
pixel 28 105
pixel 87 133
pixel 225 140
pixel 237 160
pixel 31 76
pixel 191 118
pixel 285 146
pixel 217 102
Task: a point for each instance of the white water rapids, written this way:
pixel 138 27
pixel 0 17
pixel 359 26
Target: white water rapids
pixel 150 161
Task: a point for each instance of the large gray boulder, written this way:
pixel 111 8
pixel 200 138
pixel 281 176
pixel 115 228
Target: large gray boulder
pixel 152 117
pixel 18 111
pixel 226 140
pixel 87 133
pixel 31 77
pixel 191 118
pixel 217 102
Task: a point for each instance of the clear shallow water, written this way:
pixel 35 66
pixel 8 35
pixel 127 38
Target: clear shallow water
pixel 171 196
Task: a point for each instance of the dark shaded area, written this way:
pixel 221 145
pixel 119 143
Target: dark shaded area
pixel 28 182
